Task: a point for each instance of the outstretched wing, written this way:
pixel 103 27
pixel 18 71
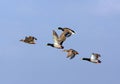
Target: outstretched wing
pixel 31 38
pixel 62 38
pixel 27 39
pixel 95 56
pixel 55 38
pixel 70 30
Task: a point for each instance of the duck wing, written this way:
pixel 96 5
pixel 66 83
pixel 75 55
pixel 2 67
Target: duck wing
pixel 71 54
pixel 62 38
pixel 26 39
pixel 70 30
pixel 75 52
pixel 30 38
pixel 95 56
pixel 55 38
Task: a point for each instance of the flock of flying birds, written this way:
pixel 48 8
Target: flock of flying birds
pixel 58 43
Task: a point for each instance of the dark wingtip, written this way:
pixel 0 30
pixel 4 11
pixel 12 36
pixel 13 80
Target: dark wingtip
pixel 73 31
pixel 60 28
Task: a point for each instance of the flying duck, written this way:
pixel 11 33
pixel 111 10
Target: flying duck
pixel 58 40
pixel 29 40
pixel 71 53
pixel 94 58
pixel 67 31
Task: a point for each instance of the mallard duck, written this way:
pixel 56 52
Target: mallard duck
pixel 29 40
pixel 58 40
pixel 94 58
pixel 68 32
pixel 71 53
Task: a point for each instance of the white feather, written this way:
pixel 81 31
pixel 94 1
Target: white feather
pixel 93 57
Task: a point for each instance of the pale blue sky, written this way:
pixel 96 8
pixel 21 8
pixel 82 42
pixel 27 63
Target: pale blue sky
pixel 97 26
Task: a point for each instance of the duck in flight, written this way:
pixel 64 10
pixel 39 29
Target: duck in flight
pixel 68 32
pixel 71 53
pixel 29 40
pixel 58 40
pixel 94 58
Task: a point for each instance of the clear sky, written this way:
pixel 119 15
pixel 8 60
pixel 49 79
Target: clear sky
pixel 97 26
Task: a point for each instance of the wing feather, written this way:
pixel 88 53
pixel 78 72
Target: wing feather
pixel 55 38
pixel 95 56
